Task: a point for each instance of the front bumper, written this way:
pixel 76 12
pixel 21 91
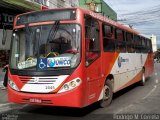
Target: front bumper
pixel 73 98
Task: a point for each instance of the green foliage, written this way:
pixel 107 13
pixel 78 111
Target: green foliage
pixel 157 55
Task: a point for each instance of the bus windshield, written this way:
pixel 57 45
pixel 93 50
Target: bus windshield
pixel 46 47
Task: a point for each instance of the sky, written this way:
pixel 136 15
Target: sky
pixel 143 15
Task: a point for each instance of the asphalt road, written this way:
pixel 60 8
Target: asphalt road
pixel 135 102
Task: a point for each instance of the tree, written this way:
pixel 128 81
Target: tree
pixel 157 55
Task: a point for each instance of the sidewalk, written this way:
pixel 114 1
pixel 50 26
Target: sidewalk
pixel 1 75
pixel 3 93
pixel 5 105
pixel 3 97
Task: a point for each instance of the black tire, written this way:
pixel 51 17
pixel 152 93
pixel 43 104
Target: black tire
pixel 107 95
pixel 143 79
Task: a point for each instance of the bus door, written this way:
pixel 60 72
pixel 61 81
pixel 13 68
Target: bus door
pixel 92 58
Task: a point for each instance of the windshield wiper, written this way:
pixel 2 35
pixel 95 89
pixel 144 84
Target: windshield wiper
pixel 53 31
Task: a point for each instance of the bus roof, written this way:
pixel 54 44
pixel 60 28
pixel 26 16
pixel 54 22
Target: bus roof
pixel 108 21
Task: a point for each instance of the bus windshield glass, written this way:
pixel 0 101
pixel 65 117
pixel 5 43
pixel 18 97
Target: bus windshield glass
pixel 46 47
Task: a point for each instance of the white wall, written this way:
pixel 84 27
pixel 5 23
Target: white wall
pixel 154 43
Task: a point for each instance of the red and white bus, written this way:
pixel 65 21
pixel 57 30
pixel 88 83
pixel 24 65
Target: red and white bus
pixel 74 57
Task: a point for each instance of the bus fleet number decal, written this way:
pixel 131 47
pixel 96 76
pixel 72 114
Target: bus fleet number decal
pixel 49 87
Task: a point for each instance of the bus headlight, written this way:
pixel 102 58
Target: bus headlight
pixel 66 87
pixel 70 85
pixel 73 84
pixel 12 85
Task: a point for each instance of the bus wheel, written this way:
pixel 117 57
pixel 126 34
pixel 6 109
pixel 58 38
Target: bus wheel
pixel 107 94
pixel 143 79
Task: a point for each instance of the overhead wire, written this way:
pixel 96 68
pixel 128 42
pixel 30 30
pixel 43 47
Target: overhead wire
pixel 145 20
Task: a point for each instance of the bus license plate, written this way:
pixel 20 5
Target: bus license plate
pixel 35 100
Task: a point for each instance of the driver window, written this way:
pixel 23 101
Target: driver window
pixel 92 41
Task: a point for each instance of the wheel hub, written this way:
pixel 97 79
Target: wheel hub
pixel 106 92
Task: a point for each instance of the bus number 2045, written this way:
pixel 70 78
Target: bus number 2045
pixel 49 87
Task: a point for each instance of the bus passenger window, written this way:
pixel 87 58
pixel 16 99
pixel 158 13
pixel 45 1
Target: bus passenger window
pixel 149 46
pixel 108 39
pixel 120 41
pixel 92 41
pixel 143 45
pixel 130 43
pixel 138 44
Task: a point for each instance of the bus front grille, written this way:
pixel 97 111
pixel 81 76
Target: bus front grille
pixel 38 80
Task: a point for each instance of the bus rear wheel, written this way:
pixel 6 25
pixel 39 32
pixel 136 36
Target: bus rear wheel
pixel 143 79
pixel 107 94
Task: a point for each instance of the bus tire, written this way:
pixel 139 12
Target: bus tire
pixel 107 94
pixel 143 79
